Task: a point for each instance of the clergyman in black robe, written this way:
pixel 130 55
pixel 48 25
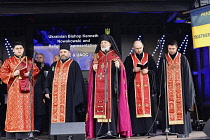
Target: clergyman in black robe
pixel 65 87
pixel 39 101
pixel 175 61
pixel 141 125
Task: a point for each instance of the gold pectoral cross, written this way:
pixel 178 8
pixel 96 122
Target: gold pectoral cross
pixel 102 66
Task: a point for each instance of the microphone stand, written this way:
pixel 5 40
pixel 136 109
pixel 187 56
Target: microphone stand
pixel 109 132
pixel 31 134
pixel 167 130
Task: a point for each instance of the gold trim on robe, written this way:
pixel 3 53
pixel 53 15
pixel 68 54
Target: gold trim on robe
pixel 59 90
pixel 142 89
pixel 174 90
pixel 103 107
pixel 18 103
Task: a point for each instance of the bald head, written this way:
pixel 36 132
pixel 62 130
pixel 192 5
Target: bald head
pixel 40 57
pixel 56 58
pixel 138 47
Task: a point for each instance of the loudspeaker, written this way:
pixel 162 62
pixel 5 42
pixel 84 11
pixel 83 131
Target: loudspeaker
pixel 68 131
pixel 206 128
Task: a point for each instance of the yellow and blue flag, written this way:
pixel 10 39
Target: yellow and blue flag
pixel 200 19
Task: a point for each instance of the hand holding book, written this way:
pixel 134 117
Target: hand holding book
pixel 142 66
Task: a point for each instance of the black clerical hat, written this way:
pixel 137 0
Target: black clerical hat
pixel 105 37
pixel 65 46
pixel 110 39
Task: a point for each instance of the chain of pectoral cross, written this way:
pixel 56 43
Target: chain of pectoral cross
pixel 105 69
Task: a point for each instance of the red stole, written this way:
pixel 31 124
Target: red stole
pixel 24 65
pixel 174 90
pixel 18 103
pixel 59 91
pixel 142 89
pixel 102 102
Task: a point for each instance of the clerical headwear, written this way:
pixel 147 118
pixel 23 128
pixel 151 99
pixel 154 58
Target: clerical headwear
pixel 110 39
pixel 65 46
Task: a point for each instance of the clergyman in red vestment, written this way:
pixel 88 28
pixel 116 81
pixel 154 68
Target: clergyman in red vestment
pixel 174 70
pixel 141 70
pixel 65 87
pixel 107 102
pixel 15 73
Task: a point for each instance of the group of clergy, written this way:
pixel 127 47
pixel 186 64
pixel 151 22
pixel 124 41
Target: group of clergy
pixel 119 100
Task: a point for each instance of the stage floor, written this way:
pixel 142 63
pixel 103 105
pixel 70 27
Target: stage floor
pixel 195 135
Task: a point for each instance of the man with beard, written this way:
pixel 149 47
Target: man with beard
pixel 141 70
pixel 65 87
pixel 107 110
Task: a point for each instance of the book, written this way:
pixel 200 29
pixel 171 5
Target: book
pixel 142 66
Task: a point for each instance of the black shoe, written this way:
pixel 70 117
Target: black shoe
pixel 144 134
pixel 36 134
pixel 182 135
pixel 136 135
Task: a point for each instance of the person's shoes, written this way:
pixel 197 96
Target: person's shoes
pixel 136 135
pixel 36 133
pixel 182 135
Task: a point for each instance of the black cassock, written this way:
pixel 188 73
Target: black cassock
pixel 3 106
pixel 75 94
pixel 141 125
pixel 188 94
pixel 39 106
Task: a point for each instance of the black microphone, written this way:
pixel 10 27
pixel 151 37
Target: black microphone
pixel 164 58
pixel 163 55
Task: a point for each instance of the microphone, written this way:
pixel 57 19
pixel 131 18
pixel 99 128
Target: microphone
pixel 163 55
pixel 164 58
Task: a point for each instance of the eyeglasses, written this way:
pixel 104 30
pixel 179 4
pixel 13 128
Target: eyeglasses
pixel 39 57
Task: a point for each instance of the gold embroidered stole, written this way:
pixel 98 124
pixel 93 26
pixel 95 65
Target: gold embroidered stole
pixel 102 98
pixel 174 90
pixel 23 63
pixel 59 91
pixel 142 89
